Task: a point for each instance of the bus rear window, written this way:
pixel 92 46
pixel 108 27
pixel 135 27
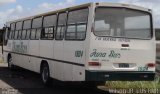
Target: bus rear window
pixel 122 22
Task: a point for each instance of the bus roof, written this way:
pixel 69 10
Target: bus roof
pixel 85 5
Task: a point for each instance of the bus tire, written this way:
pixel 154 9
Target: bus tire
pixel 10 62
pixel 45 75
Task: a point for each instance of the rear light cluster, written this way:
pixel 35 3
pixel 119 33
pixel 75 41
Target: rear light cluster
pixel 151 65
pixel 94 64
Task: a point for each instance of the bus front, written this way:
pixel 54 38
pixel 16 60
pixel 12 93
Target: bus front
pixel 122 44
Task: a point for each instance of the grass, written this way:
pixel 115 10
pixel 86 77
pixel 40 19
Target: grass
pixel 136 85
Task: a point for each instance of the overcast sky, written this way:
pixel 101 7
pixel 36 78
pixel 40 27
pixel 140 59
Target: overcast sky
pixel 14 9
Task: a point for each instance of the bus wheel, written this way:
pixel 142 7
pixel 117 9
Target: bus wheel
pixel 45 74
pixel 10 62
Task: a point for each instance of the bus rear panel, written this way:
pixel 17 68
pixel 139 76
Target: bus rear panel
pixel 122 45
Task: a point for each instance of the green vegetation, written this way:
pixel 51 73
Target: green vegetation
pixel 135 85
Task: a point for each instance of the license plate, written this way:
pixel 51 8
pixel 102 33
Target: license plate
pixel 123 65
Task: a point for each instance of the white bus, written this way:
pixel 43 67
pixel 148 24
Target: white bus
pixel 89 42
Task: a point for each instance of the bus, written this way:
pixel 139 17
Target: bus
pixel 93 42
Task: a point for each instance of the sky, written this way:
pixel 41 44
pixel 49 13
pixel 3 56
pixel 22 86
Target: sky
pixel 15 9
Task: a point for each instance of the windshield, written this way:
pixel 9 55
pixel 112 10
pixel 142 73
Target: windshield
pixel 122 22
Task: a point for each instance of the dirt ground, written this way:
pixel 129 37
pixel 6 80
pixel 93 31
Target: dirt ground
pixel 22 81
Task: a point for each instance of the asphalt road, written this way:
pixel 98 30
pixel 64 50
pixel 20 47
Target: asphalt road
pixel 21 81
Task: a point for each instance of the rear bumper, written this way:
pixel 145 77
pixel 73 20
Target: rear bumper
pixel 119 76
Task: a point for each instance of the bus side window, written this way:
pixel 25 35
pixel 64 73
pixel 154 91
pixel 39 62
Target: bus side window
pixel 12 26
pixel 16 34
pixel 10 35
pixel 26 29
pixel 19 34
pixel 47 33
pixel 38 33
pixel 43 33
pixel 33 34
pixel 13 32
pixel 49 24
pixel 81 29
pixel 60 32
pixel 18 30
pixel 71 32
pixel 36 28
pixel 23 34
pixel 28 34
pixel 61 26
pixel 77 24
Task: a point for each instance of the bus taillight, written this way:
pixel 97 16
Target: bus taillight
pixel 151 65
pixel 94 64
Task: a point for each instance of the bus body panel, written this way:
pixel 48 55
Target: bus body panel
pixel 69 60
pixel 111 53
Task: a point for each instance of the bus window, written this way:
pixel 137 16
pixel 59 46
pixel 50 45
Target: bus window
pixel 19 34
pixel 23 34
pixel 75 20
pixel 43 34
pixel 122 23
pixel 61 26
pixel 50 21
pixel 26 29
pixel 37 23
pixel 103 27
pixel 12 31
pixel 10 35
pixel 47 33
pixel 33 34
pixel 49 24
pixel 38 33
pixel 19 29
pixel 81 31
pixel 60 32
pixel 36 28
pixel 157 31
pixel 28 33
pixel 27 24
pixel 16 34
pixel 71 32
